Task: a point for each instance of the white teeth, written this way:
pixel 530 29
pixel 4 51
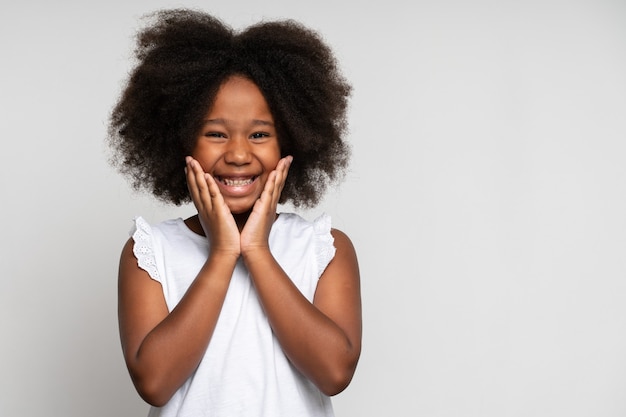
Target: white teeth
pixel 237 182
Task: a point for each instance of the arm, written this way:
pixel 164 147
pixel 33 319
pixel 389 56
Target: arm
pixel 322 339
pixel 162 350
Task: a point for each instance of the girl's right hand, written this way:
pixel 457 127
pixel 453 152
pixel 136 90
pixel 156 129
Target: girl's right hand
pixel 215 216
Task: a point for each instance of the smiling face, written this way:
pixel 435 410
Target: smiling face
pixel 237 143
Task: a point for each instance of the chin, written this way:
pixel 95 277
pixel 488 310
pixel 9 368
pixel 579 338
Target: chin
pixel 239 209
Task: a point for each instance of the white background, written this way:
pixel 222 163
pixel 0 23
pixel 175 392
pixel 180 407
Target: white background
pixel 486 199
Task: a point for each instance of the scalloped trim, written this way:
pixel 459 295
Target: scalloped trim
pixel 324 242
pixel 143 248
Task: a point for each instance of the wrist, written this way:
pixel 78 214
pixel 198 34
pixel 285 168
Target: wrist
pixel 223 256
pixel 254 254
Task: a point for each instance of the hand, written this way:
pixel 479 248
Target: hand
pixel 256 232
pixel 215 216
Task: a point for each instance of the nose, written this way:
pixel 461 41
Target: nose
pixel 238 151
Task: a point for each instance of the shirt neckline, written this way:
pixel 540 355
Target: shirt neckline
pixel 182 225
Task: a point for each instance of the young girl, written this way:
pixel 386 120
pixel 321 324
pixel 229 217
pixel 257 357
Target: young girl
pixel 238 310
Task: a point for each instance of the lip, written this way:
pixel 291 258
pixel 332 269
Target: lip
pixel 236 185
pixel 237 181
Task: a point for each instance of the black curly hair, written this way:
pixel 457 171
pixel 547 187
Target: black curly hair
pixel 184 56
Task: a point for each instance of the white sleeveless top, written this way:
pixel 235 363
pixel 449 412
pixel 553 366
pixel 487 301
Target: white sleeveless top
pixel 244 371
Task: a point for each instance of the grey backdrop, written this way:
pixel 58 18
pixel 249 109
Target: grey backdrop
pixel 486 199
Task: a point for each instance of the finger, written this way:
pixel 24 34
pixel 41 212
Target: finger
pixel 282 169
pixel 285 171
pixel 192 184
pixel 212 187
pixel 268 190
pixel 200 182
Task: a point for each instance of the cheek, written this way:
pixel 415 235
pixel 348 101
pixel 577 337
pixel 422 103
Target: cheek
pixel 272 162
pixel 275 155
pixel 205 154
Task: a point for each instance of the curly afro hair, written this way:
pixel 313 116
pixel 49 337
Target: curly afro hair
pixel 183 58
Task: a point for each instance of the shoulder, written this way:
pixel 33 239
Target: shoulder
pixel 344 247
pixel 294 222
pixel 287 220
pixel 292 226
pixel 150 242
pixel 342 240
pixel 144 232
pixel 320 227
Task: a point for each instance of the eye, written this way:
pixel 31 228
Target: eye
pixel 213 134
pixel 259 135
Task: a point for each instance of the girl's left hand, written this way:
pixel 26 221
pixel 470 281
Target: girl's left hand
pixel 256 232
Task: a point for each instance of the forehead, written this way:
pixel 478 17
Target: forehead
pixel 239 104
pixel 240 93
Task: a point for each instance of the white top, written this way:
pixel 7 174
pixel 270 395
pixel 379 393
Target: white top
pixel 244 371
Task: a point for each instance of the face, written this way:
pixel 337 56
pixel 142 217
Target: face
pixel 237 144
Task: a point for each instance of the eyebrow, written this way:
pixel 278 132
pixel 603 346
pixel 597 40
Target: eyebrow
pixel 255 122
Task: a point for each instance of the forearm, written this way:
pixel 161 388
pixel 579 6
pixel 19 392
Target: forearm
pixel 314 343
pixel 171 351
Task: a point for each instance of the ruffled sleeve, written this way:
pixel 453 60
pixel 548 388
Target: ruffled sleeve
pixel 143 249
pixel 324 242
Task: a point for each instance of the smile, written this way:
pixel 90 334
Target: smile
pixel 236 182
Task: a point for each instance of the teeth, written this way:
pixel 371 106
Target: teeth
pixel 237 182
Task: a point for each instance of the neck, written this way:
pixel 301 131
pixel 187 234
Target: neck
pixel 241 219
pixel 193 222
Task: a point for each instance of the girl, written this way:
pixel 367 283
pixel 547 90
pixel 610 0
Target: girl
pixel 238 310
